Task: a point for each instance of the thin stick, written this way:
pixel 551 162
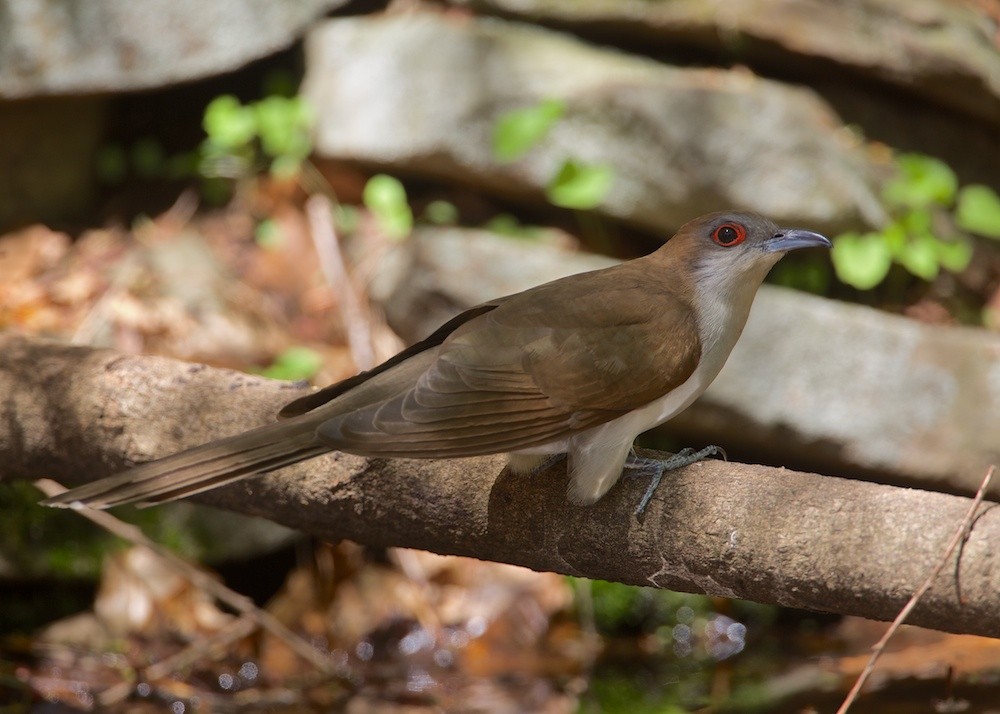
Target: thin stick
pixel 240 603
pixel 204 647
pixel 324 235
pixel 908 608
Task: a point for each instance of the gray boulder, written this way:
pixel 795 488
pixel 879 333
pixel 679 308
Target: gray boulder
pixel 58 59
pixel 421 93
pixel 100 46
pixel 943 51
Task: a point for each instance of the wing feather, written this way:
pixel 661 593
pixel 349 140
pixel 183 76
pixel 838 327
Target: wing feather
pixel 538 367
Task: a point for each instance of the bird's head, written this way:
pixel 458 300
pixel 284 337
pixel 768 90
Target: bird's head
pixel 738 247
pixel 721 259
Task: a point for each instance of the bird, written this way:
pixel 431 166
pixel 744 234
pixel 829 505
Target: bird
pixel 575 368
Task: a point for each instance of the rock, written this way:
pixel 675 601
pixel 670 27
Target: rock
pixel 813 383
pixel 944 51
pixel 99 46
pixel 847 388
pixel 58 58
pixel 426 281
pixel 934 88
pixel 680 141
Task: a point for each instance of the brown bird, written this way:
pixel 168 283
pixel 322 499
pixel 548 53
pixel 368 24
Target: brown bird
pixel 579 366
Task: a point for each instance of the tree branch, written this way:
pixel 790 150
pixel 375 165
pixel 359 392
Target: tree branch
pixel 735 530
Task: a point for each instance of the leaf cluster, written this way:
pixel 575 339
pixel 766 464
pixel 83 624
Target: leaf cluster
pixel 931 219
pixel 576 184
pixel 275 130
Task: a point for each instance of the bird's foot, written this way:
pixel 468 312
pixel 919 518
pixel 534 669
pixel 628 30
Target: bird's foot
pixel 636 465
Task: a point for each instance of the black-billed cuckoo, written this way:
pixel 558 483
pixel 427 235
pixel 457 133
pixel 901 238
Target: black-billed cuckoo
pixel 579 366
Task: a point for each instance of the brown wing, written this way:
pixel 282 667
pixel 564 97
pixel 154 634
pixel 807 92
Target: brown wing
pixel 535 368
pixel 327 394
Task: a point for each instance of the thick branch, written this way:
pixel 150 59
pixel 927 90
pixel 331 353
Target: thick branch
pixel 735 530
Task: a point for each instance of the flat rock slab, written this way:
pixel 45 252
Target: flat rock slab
pixel 421 93
pixel 840 388
pixel 50 47
pixel 943 51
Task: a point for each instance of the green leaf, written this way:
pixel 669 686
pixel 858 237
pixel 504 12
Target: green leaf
pixel 895 236
pixel 286 167
pixel 294 364
pixel 507 225
pixel 519 130
pixel 283 125
pixel 954 255
pixel 979 211
pixel 861 261
pixel 385 197
pixel 581 186
pixel 442 213
pixel 918 222
pixel 229 124
pixel 921 257
pixel 148 157
pixel 268 234
pixel 921 181
pixel 183 165
pixel 504 224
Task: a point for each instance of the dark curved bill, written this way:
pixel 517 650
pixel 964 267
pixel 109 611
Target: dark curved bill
pixel 794 238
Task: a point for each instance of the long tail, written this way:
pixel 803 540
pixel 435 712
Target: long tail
pixel 202 468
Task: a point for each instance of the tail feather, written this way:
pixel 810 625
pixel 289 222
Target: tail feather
pixel 201 468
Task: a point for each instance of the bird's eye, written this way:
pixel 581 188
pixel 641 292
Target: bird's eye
pixel 729 234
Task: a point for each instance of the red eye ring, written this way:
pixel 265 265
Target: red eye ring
pixel 729 234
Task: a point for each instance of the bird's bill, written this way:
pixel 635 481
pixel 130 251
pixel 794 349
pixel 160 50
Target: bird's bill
pixel 794 238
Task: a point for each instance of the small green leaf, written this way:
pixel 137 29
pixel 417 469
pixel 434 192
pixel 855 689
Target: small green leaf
pixel 215 190
pixel 149 160
pixel 442 213
pixel 294 364
pixel 808 274
pixel 229 124
pixel 268 234
pixel 921 181
pixel 283 125
pixel 918 222
pixel 894 235
pixel 581 186
pixel 979 211
pixel 954 255
pixel 519 130
pixel 286 167
pixel 183 165
pixel 861 261
pixel 921 257
pixel 507 225
pixel 385 197
pixel 504 224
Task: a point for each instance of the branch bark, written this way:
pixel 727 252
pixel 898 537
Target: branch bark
pixel 734 530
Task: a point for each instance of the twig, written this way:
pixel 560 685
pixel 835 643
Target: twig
pixel 235 630
pixel 877 650
pixel 240 603
pixel 324 235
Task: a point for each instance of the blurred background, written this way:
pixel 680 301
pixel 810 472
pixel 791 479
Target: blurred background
pixel 299 188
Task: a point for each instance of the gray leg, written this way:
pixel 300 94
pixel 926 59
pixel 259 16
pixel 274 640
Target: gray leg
pixel 654 468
